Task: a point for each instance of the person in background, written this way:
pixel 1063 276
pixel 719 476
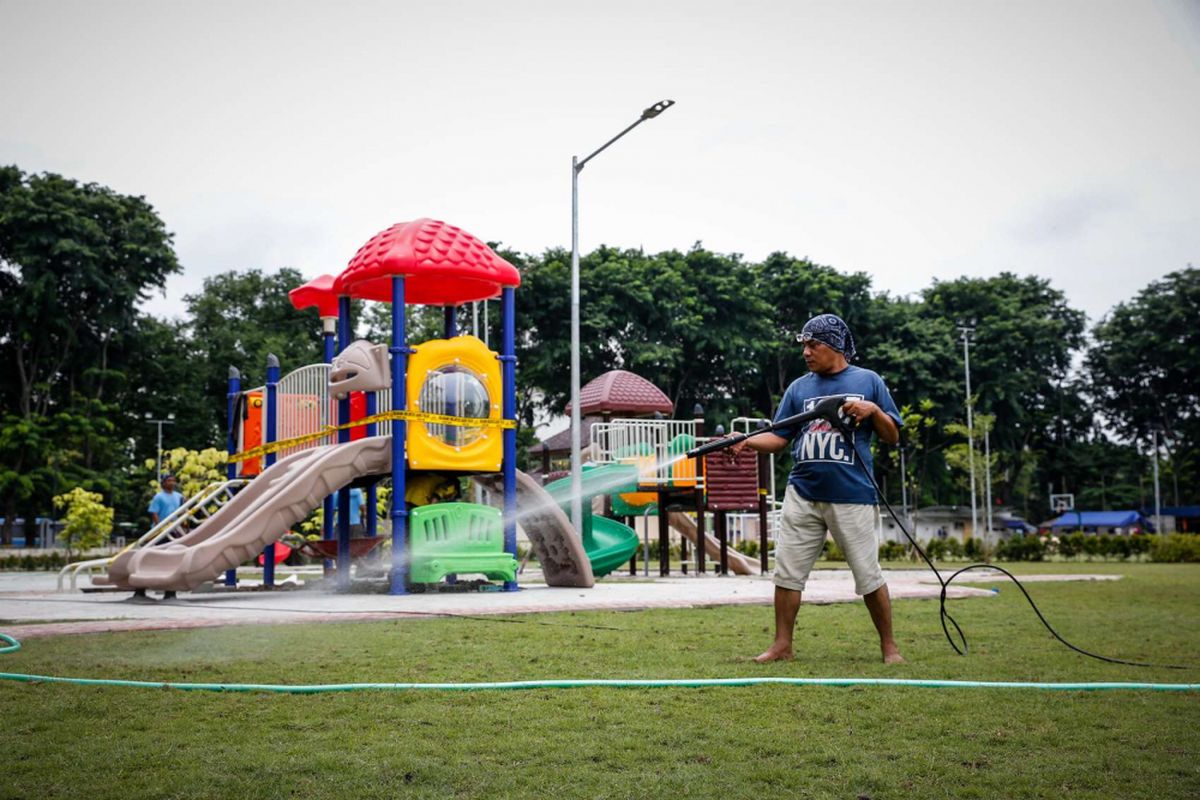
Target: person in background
pixel 163 504
pixel 358 508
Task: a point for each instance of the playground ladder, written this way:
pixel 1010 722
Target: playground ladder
pixel 194 510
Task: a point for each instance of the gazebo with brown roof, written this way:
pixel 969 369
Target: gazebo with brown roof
pixel 615 393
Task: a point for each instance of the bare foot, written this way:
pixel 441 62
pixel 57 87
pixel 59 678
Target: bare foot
pixel 774 653
pixel 891 655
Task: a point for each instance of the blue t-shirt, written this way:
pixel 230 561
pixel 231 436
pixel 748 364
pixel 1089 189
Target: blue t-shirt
pixel 357 500
pixel 164 504
pixel 826 467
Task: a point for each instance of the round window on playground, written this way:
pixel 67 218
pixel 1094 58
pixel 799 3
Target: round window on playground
pixel 458 392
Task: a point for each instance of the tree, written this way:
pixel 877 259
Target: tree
pixel 1144 373
pixel 236 321
pixel 74 262
pixel 193 469
pixel 88 521
pixel 1026 335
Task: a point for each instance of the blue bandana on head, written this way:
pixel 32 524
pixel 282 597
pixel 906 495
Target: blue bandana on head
pixel 829 329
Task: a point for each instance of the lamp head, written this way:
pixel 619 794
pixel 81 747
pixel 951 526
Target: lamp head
pixel 656 109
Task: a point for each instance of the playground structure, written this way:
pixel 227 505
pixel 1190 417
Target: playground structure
pixel 445 406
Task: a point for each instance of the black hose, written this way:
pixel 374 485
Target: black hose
pixel 828 409
pixel 945 582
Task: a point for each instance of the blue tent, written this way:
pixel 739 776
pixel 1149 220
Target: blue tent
pixel 1074 520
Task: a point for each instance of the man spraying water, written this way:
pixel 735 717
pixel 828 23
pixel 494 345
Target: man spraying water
pixel 828 490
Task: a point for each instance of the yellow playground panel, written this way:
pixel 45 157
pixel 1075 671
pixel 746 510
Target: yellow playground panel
pixel 458 377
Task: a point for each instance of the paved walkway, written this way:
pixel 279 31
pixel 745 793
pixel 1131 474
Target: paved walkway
pixel 30 607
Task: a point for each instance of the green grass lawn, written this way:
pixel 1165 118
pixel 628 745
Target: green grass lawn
pixel 765 741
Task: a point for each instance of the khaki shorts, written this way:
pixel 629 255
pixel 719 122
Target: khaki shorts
pixel 802 535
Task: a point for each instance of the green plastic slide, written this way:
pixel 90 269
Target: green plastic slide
pixel 608 543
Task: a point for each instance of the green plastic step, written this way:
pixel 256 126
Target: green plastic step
pixel 458 539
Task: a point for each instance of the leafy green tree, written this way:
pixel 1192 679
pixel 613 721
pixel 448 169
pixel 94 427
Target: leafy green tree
pixel 1144 373
pixel 1026 335
pixel 88 521
pixel 75 260
pixel 236 321
pixel 795 290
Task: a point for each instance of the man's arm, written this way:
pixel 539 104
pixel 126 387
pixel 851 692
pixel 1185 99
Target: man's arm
pixel 863 410
pixel 762 442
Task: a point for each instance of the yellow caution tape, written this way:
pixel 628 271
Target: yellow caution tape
pixel 384 416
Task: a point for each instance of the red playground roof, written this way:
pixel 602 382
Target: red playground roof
pixel 318 292
pixel 442 264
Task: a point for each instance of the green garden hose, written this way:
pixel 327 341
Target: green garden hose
pixel 678 683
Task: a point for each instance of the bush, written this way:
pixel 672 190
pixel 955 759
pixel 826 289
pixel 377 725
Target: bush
pixel 88 520
pixel 1139 545
pixel 672 552
pixel 53 560
pixel 747 547
pixel 1175 548
pixel 1118 547
pixel 892 551
pixel 832 552
pixel 954 548
pixel 1077 541
pixel 936 549
pixel 975 550
pixel 1022 548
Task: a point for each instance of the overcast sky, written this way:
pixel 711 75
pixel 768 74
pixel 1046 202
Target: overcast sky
pixel 911 140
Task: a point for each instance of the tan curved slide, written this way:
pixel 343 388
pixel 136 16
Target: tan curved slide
pixel 285 493
pixel 712 548
pixel 553 538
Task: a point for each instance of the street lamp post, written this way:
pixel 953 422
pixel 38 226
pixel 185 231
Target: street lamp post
pixel 987 482
pixel 967 330
pixel 1157 496
pixel 577 166
pixel 170 420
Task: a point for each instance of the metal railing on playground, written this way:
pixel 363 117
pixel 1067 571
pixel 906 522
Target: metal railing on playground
pixel 194 510
pixel 304 406
pixel 655 446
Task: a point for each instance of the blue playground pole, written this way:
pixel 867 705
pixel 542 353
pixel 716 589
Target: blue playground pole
pixel 343 496
pixel 231 441
pixel 372 513
pixel 399 351
pixel 451 330
pixel 328 325
pixel 508 368
pixel 271 436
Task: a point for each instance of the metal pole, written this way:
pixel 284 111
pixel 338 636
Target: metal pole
pixel 232 413
pixel 158 423
pixel 343 494
pixel 577 165
pixel 576 421
pixel 399 515
pixel 329 350
pixel 508 364
pixel 987 480
pixel 1157 496
pixel 966 337
pixel 272 434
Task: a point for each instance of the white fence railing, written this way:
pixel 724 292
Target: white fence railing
pixel 656 446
